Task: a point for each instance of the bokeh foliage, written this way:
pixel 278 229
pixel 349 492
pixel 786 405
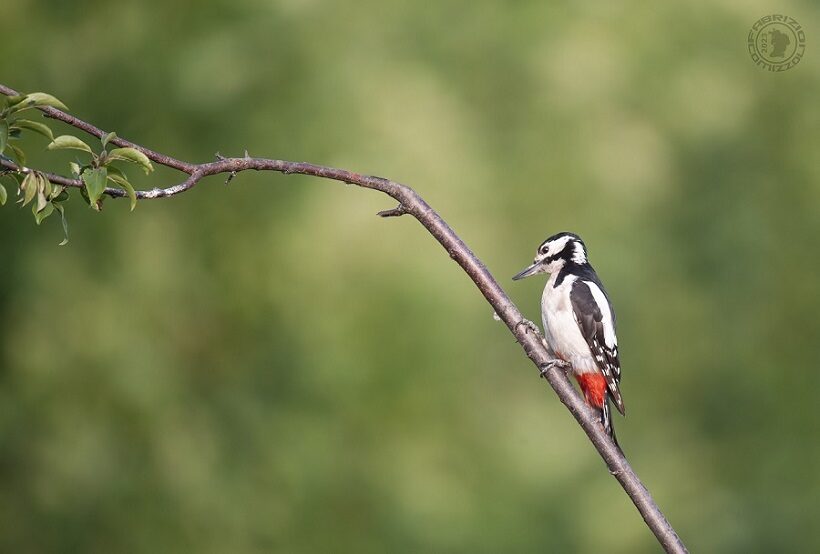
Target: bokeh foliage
pixel 269 367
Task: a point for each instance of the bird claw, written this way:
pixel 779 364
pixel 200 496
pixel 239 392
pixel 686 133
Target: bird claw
pixel 560 364
pixel 529 326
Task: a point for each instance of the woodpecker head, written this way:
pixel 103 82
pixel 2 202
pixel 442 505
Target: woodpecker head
pixel 556 252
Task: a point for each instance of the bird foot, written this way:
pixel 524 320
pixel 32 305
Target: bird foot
pixel 529 326
pixel 560 364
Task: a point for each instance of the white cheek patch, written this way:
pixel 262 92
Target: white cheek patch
pixel 606 316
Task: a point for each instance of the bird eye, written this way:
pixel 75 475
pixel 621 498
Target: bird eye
pixel 544 250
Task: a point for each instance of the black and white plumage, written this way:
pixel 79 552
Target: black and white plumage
pixel 579 322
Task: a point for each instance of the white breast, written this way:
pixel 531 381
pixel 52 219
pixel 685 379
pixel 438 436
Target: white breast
pixel 560 327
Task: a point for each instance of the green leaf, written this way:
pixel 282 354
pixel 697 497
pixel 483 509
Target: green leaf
pixel 4 195
pixel 123 183
pixel 14 100
pixel 45 186
pixel 95 180
pixel 59 208
pixel 43 191
pixel 75 168
pixel 35 126
pixel 4 134
pixel 56 191
pixel 43 99
pixel 132 155
pixel 108 138
pixel 62 196
pixel 36 100
pixel 68 141
pixel 41 204
pixel 40 215
pixel 18 154
pixel 29 187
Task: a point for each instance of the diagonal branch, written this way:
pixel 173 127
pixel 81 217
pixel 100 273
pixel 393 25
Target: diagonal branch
pixel 410 202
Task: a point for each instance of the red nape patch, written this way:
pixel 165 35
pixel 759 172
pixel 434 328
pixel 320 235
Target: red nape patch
pixel 593 386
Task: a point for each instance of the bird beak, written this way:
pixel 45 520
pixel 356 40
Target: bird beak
pixel 531 270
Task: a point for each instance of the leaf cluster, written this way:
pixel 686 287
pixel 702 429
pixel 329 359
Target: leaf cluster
pixel 100 169
pixel 96 170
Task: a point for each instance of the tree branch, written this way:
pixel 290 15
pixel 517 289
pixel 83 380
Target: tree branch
pixel 412 203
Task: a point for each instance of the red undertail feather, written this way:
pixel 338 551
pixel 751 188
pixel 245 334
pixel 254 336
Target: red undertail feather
pixel 595 389
pixel 593 385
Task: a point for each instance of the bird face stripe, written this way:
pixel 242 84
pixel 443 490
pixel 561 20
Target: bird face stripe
pixel 554 244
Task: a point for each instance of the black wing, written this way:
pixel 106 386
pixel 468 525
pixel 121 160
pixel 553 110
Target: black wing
pixel 593 325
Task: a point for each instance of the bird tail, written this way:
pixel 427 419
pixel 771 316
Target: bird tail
pixel 606 421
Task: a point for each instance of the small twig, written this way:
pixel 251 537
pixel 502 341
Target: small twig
pixel 395 212
pixel 56 179
pixel 412 203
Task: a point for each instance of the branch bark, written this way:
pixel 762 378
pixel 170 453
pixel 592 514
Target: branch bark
pixel 410 202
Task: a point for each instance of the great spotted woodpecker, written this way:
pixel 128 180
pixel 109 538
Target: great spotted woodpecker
pixel 579 322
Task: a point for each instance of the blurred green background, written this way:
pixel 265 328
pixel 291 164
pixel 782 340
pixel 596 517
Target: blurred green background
pixel 269 367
